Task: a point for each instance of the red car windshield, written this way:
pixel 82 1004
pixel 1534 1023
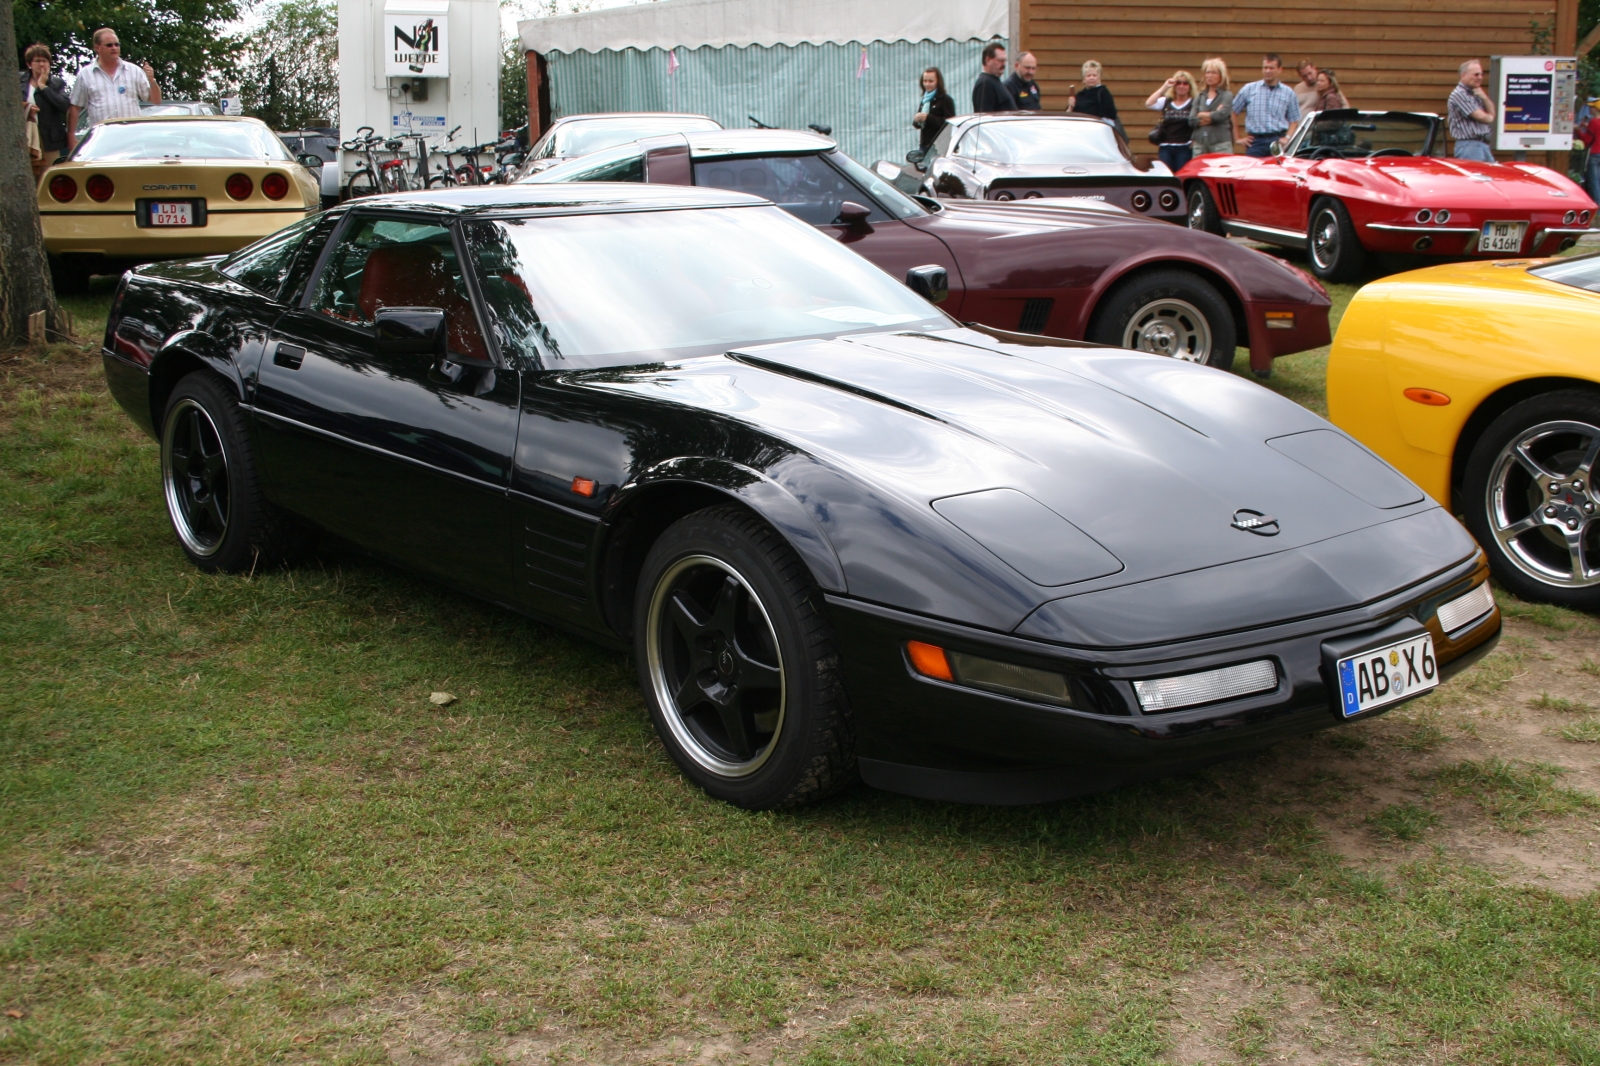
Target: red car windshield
pixel 1353 135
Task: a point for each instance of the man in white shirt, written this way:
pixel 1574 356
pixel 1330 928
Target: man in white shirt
pixel 110 87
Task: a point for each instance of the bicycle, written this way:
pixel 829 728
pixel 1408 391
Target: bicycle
pixel 374 175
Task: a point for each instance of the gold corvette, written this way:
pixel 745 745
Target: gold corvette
pixel 1481 382
pixel 168 187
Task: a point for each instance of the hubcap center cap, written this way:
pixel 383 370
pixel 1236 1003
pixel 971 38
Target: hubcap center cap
pixel 1160 338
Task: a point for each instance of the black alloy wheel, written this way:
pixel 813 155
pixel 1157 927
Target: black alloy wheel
pixel 1203 213
pixel 1335 249
pixel 738 663
pixel 1532 495
pixel 209 481
pixel 1168 312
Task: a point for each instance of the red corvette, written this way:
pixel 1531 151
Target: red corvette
pixel 1353 182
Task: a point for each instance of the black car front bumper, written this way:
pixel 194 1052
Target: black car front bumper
pixel 941 740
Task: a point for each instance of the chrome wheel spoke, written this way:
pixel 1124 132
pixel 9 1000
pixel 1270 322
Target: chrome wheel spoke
pixel 1526 460
pixel 1575 553
pixel 1585 469
pixel 1518 528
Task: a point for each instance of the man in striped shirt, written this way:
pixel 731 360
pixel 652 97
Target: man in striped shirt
pixel 111 87
pixel 1470 113
pixel 1265 112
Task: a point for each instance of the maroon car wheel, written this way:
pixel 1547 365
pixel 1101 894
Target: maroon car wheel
pixel 1168 312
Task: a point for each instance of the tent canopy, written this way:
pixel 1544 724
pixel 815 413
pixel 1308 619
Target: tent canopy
pixel 697 23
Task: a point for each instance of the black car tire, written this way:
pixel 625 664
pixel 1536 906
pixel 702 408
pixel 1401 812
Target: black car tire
pixel 739 665
pixel 1203 209
pixel 1559 434
pixel 69 276
pixel 1332 245
pixel 210 484
pixel 1168 312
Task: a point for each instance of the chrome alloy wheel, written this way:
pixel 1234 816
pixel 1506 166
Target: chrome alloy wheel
pixel 1542 503
pixel 1325 239
pixel 1171 327
pixel 714 663
pixel 194 477
pixel 1197 212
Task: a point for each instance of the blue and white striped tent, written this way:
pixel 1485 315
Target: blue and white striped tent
pixel 853 65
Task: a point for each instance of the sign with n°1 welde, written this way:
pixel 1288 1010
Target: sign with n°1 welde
pixel 416 45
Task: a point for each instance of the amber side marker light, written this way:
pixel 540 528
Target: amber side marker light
pixel 1280 320
pixel 583 486
pixel 974 671
pixel 1430 397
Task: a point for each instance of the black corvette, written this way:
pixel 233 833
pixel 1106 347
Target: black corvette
pixel 843 534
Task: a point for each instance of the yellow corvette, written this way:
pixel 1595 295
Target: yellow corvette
pixel 1481 382
pixel 168 187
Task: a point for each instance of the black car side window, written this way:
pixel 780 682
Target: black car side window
pixel 802 185
pixel 263 265
pixel 386 262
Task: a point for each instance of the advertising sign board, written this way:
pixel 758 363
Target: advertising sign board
pixel 1535 100
pixel 415 45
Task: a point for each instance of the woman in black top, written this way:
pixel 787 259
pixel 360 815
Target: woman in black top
pixel 935 110
pixel 1095 99
pixel 45 96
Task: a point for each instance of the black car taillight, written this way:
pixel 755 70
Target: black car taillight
pixel 99 188
pixel 63 189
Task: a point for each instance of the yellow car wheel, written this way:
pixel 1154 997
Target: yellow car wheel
pixel 1531 498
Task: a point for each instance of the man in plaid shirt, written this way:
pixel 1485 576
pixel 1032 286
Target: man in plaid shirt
pixel 1470 113
pixel 1266 111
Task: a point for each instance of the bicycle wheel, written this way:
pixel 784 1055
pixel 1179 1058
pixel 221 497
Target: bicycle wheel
pixel 362 182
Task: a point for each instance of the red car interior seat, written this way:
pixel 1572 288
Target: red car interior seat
pixel 416 275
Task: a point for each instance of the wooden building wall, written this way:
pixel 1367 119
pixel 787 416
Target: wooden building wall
pixel 1400 54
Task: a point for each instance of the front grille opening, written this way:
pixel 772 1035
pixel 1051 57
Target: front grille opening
pixel 1035 315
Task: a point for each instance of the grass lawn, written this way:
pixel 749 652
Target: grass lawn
pixel 236 830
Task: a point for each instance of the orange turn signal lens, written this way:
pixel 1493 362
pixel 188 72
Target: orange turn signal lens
pixel 583 486
pixel 929 660
pixel 1430 397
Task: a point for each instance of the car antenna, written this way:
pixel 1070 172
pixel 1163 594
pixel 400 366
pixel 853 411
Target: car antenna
pixel 759 124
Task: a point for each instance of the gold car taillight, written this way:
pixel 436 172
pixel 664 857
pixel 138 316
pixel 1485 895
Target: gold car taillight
pixel 63 189
pixel 274 186
pixel 99 188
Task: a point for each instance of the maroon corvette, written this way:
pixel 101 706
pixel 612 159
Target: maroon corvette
pixel 1075 269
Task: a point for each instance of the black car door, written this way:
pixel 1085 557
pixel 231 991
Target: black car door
pixel 406 455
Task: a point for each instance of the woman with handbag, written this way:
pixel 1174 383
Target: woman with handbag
pixel 1213 116
pixel 1173 135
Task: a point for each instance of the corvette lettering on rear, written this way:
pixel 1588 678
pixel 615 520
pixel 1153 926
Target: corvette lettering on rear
pixel 168 188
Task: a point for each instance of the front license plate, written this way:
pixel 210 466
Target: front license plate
pixel 1378 677
pixel 1502 237
pixel 171 214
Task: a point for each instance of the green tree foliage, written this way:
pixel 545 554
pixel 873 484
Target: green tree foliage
pixel 513 85
pixel 289 73
pixel 186 41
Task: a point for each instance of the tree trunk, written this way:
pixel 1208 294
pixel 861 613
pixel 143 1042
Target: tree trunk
pixel 24 272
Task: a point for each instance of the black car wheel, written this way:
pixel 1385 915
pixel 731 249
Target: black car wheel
pixel 208 477
pixel 1336 252
pixel 738 663
pixel 69 276
pixel 1531 496
pixel 1203 209
pixel 1168 312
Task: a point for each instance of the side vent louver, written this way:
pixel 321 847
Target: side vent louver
pixel 1035 315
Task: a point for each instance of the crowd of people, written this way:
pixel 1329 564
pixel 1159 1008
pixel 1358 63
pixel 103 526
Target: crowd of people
pixel 1206 116
pixel 108 88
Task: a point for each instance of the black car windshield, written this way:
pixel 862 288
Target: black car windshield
pixel 638 287
pixel 1045 142
pixel 1352 135
pixel 1582 272
pixel 581 138
pixel 180 139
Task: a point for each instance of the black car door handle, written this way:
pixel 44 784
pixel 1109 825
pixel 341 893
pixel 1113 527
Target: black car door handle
pixel 289 355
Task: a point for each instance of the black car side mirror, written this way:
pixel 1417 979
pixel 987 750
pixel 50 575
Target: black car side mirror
pixel 410 330
pixel 932 282
pixel 853 214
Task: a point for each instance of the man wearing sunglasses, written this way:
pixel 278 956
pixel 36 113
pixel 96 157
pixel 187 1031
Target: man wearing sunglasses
pixel 109 87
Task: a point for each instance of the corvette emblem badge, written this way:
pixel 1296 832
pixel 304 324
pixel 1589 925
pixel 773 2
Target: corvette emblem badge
pixel 1262 525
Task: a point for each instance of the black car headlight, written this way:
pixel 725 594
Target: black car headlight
pixel 991 675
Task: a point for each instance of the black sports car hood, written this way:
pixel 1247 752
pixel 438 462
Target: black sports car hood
pixel 1157 467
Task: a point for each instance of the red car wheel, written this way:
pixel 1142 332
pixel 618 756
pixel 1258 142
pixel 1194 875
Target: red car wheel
pixel 1336 252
